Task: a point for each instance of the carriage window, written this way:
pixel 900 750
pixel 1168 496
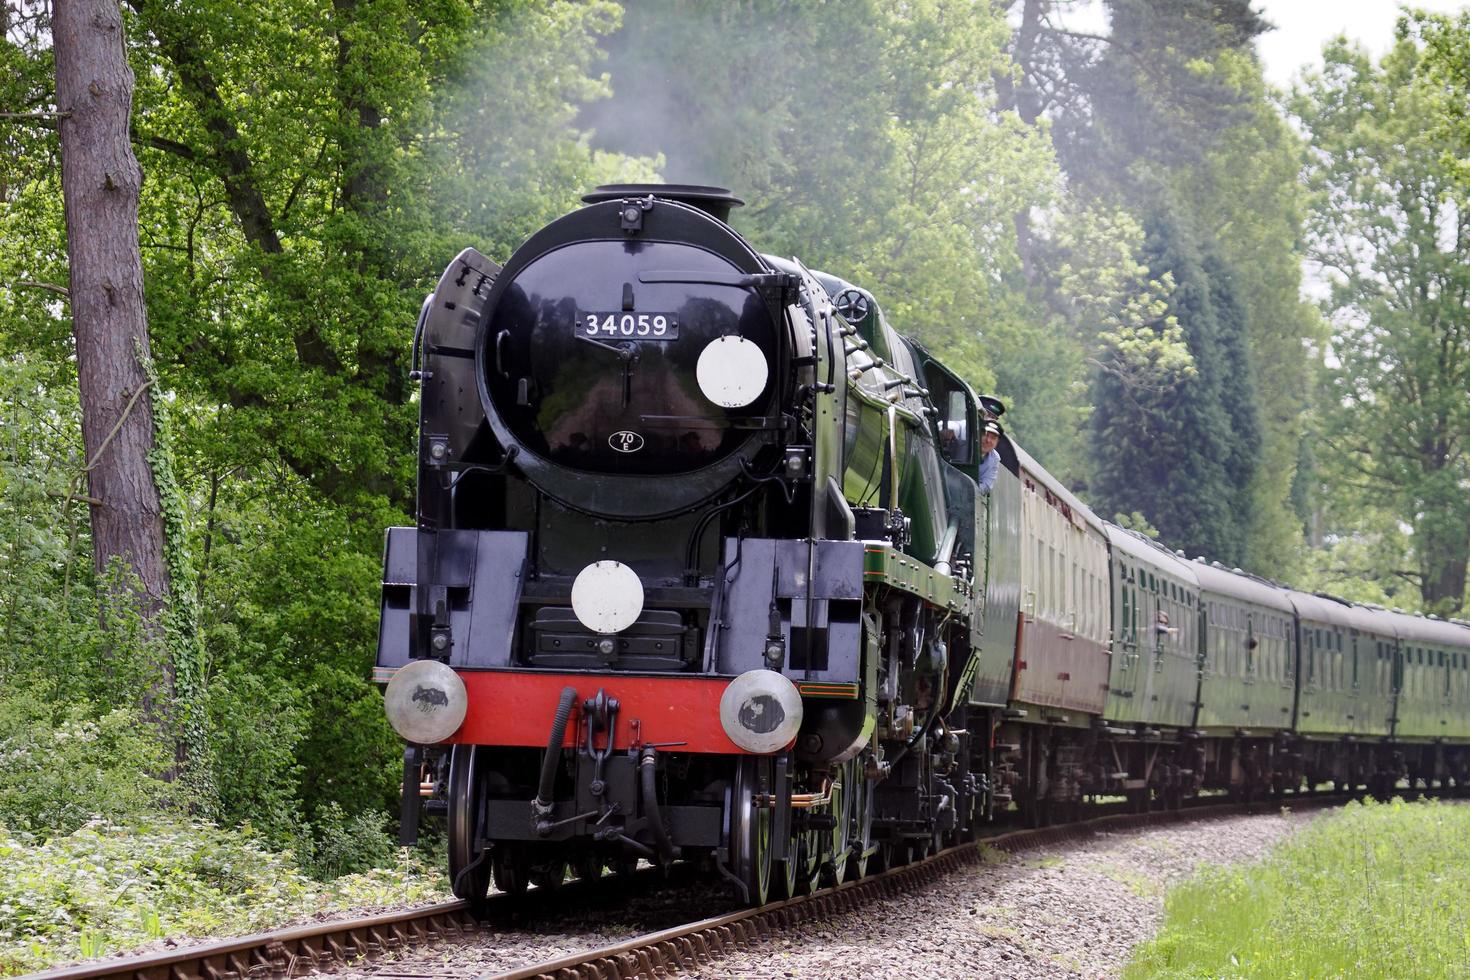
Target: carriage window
pixel 1126 618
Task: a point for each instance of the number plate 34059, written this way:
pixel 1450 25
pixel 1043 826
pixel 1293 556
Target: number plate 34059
pixel 628 326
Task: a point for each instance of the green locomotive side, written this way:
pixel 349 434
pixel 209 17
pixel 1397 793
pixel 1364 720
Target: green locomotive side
pixel 891 460
pixel 996 625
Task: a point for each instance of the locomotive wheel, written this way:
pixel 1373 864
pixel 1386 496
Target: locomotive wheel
pixel 469 871
pixel 623 867
pixel 750 827
pixel 862 845
pixel 787 873
pixel 549 875
pixel 808 851
pixel 588 867
pixel 512 870
pixel 839 838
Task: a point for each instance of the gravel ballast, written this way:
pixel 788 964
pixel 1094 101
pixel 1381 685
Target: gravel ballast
pixel 1071 910
pixel 1063 910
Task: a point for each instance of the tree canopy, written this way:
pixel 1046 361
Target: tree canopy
pixel 1390 234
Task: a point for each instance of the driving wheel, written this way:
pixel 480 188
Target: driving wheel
pixel 469 869
pixel 750 827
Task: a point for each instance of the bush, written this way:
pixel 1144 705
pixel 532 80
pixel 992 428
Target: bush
pixel 61 766
pixel 255 727
pixel 350 845
pixel 110 887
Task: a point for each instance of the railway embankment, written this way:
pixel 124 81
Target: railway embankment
pixel 1075 909
pixel 1371 890
pixel 123 888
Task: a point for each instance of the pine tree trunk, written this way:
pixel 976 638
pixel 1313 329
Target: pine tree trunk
pixel 100 181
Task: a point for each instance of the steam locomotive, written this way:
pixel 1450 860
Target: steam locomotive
pixel 701 571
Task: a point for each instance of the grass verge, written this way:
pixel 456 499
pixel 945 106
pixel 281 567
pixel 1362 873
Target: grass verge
pixel 110 887
pixel 1375 890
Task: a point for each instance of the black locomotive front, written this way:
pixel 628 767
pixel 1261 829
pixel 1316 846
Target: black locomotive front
pixel 629 343
pixel 636 606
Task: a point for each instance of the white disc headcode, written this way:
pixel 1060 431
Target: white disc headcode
pixel 761 711
pixel 732 371
pixel 607 597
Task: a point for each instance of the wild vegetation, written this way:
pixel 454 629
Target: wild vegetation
pixel 112 886
pixel 1371 891
pixel 1106 228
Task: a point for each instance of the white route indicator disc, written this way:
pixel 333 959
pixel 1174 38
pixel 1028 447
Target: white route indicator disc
pixel 607 597
pixel 732 372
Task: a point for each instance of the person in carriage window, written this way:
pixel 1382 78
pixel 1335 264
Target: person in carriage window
pixel 989 458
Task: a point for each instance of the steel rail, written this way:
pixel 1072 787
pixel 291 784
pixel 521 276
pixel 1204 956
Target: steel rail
pixel 287 952
pixel 698 944
pixel 326 946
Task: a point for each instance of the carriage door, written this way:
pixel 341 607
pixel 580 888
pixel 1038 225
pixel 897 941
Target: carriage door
pixel 1126 654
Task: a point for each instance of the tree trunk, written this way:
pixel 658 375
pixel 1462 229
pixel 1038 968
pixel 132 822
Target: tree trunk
pixel 100 181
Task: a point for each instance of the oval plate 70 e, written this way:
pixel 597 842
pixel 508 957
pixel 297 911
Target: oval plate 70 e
pixel 625 441
pixel 628 326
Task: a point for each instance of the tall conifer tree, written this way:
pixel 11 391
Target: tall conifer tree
pixel 1169 451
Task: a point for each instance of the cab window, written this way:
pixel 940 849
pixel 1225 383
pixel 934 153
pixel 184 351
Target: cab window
pixel 955 435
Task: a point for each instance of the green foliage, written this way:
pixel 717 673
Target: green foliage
pixel 73 667
pixel 887 165
pixel 1388 230
pixel 1172 451
pixel 1248 190
pixel 344 845
pixel 1166 110
pixel 180 618
pixel 311 168
pixel 109 887
pixel 62 765
pixel 255 727
pixel 1445 65
pixel 1136 522
pixel 1372 892
pixel 1157 100
pixel 1088 295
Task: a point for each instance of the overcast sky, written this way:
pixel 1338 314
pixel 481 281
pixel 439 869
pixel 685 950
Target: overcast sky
pixel 1303 26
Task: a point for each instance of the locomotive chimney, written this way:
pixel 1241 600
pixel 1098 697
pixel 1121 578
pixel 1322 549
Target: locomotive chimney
pixel 714 201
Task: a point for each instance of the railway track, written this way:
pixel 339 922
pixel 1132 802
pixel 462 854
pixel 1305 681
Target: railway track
pixel 327 946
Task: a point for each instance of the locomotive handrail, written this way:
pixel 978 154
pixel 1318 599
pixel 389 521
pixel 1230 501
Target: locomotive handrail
pixel 414 373
pixel 741 280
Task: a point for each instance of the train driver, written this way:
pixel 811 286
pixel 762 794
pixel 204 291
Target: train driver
pixel 989 458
